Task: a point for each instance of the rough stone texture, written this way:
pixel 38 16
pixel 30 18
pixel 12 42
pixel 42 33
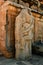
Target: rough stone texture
pixel 34 60
pixel 36 15
pixel 39 29
pixel 20 2
pixel 24 26
pixel 12 13
pixel 23 3
pixel 38 26
pixel 34 7
pixel 1 2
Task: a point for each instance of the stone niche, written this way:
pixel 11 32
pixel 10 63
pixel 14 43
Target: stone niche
pixel 8 14
pixel 16 31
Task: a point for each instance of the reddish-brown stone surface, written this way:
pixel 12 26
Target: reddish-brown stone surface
pixel 39 29
pixel 38 26
pixel 12 13
pixel 1 2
